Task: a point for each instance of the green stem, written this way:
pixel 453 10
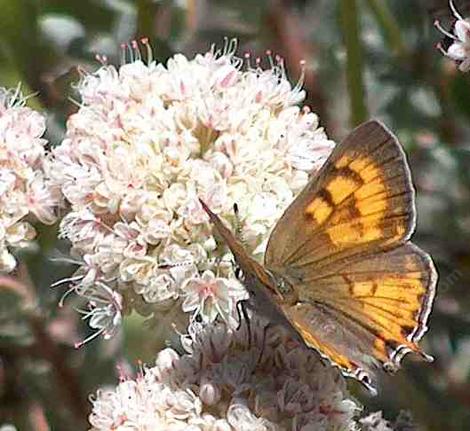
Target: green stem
pixel 145 18
pixel 354 61
pixel 389 26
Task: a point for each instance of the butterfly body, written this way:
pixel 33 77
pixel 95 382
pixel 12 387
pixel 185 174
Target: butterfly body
pixel 339 269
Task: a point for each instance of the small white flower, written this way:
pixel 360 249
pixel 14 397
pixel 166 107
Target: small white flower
pixel 104 311
pixel 459 50
pixel 210 296
pixel 7 260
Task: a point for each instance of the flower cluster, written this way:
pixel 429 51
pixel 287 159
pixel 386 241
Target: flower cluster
pixel 226 382
pixel 24 187
pixel 459 50
pixel 148 141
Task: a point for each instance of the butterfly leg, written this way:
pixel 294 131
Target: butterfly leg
pixel 243 315
pixel 263 343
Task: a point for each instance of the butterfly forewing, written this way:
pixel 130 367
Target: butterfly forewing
pixel 364 291
pixel 362 197
pixel 246 263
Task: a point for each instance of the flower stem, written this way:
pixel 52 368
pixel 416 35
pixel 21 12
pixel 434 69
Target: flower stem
pixel 145 18
pixel 354 62
pixel 389 26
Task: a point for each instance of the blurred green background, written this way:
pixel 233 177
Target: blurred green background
pixel 365 58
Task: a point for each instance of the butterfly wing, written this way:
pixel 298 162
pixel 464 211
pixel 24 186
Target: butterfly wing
pixel 364 290
pixel 371 310
pixel 362 197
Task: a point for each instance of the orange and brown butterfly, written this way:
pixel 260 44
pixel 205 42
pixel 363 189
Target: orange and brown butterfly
pixel 339 268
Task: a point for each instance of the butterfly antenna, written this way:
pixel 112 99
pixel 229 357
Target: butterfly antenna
pixel 214 260
pixel 176 264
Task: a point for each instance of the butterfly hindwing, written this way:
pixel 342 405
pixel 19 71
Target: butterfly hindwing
pixel 368 310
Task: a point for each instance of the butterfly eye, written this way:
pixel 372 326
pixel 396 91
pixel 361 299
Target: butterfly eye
pixel 283 287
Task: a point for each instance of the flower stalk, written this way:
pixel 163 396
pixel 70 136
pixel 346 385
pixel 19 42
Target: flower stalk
pixel 349 19
pixel 388 24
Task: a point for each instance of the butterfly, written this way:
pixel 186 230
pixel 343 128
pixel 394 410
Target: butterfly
pixel 339 268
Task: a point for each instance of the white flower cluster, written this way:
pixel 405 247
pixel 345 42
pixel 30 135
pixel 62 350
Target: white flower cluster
pixel 226 382
pixel 459 50
pixel 147 142
pixel 24 187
